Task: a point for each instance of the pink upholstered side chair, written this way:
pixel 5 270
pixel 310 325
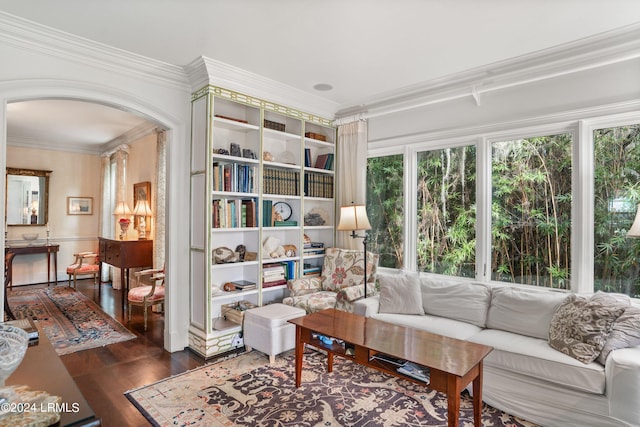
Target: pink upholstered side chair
pixel 86 263
pixel 147 295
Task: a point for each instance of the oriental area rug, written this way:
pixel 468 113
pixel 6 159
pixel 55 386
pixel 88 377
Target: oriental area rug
pixel 248 391
pixel 71 321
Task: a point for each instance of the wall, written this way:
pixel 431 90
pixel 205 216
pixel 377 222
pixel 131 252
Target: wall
pixel 73 174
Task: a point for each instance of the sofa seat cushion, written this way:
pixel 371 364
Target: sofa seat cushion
pixel 313 302
pixel 434 324
pixel 533 356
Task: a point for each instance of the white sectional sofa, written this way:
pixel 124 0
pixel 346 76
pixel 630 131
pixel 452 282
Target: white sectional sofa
pixel 523 375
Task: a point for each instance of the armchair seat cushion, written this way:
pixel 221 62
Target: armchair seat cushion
pixel 313 302
pixel 83 269
pixel 137 294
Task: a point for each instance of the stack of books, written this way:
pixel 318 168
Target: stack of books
pixel 310 270
pixel 273 275
pixel 416 371
pixel 313 248
pixel 244 285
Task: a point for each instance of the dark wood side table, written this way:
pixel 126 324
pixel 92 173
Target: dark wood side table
pixel 39 249
pixel 125 254
pixel 42 369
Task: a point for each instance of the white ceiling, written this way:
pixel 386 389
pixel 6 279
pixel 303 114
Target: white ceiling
pixel 362 48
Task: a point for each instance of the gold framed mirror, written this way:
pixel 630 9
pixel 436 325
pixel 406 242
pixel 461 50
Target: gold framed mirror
pixel 27 197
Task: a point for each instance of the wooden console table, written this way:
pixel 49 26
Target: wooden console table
pixel 42 369
pixel 125 254
pixel 39 249
pixel 452 363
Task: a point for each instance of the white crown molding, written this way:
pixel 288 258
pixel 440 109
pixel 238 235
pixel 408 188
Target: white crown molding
pixel 38 38
pixel 204 71
pixel 589 53
pixel 567 118
pixel 131 136
pixel 37 144
pixel 86 148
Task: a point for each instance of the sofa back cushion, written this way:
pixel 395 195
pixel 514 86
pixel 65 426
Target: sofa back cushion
pixel 400 293
pixel 523 311
pixel 345 267
pixel 467 302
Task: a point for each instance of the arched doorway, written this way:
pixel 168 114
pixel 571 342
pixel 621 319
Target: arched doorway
pixel 22 91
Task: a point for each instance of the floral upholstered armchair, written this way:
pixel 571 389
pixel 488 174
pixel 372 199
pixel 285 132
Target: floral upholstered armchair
pixel 339 285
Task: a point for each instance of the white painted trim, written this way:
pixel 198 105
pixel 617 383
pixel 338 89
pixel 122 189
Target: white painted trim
pixel 38 38
pixel 623 109
pixel 204 71
pixel 589 53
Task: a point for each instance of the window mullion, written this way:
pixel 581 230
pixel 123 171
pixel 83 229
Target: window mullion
pixel 483 211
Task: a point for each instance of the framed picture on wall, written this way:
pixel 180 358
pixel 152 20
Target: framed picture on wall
pixel 79 205
pixel 141 191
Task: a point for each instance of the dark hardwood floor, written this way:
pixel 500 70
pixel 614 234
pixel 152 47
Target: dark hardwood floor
pixel 103 374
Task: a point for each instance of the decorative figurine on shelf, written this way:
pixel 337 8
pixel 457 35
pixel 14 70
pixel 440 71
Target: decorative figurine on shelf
pixel 234 149
pixel 241 250
pixel 124 226
pixel 248 154
pixel 267 156
pixel 224 255
pixel 290 250
pixel 272 247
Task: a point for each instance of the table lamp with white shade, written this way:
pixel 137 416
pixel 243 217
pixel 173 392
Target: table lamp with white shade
pixel 142 210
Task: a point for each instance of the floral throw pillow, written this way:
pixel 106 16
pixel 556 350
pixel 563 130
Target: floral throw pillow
pixel 580 327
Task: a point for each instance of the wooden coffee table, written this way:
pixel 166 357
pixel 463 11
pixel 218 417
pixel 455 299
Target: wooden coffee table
pixel 452 363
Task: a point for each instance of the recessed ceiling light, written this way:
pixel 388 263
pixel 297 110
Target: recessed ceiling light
pixel 322 86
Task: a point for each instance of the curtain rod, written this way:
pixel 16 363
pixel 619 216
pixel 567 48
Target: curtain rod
pixel 360 117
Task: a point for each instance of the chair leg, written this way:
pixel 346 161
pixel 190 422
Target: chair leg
pixel 145 318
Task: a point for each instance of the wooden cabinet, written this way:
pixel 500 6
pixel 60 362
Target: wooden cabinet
pixel 247 157
pixel 125 254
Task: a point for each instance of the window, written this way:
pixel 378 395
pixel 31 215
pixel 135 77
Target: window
pixel 446 196
pixel 616 197
pixel 385 208
pixel 508 209
pixel 531 211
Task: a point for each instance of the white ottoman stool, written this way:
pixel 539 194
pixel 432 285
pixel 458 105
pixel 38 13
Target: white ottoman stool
pixel 266 329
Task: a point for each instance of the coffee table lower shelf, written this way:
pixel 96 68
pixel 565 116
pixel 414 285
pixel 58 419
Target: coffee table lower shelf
pixel 341 327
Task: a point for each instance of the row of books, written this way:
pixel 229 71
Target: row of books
pixel 318 185
pixel 235 177
pixel 281 181
pixel 323 161
pixel 234 213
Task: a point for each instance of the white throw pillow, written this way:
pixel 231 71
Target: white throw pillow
pixel 400 294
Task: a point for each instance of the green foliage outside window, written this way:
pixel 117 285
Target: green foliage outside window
pixel 617 193
pixel 446 195
pixel 385 209
pixel 531 211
